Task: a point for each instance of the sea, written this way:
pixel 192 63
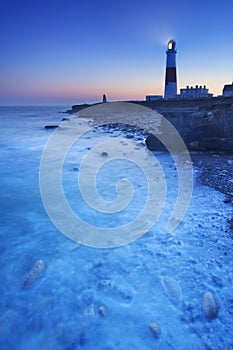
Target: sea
pixel 156 290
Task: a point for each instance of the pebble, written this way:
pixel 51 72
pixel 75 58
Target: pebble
pixel 103 284
pixel 104 154
pixel 230 307
pixel 102 311
pixel 35 273
pixel 217 281
pixel 210 306
pixel 90 311
pixel 173 288
pixel 75 247
pixel 155 329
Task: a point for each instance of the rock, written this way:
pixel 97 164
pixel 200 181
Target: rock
pixel 35 273
pixel 129 136
pixel 75 247
pixel 51 126
pixel 102 311
pixel 226 200
pixel 194 145
pixel 104 154
pixel 210 306
pixel 173 288
pixel 155 329
pixel 90 311
pixel 153 144
pixel 217 281
pixel 230 306
pixel 104 284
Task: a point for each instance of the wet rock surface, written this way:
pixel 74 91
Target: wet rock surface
pixel 216 171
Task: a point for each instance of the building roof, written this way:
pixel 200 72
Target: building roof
pixel 228 87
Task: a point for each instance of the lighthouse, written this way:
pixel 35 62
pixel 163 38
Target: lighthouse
pixel 170 78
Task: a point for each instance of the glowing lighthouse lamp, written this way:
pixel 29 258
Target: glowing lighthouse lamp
pixel 170 78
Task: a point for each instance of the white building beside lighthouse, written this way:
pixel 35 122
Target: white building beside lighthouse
pixel 170 90
pixel 197 92
pixel 228 90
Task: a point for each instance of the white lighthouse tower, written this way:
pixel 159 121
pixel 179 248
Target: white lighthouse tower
pixel 170 78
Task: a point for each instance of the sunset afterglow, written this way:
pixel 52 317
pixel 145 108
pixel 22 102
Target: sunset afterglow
pixel 76 51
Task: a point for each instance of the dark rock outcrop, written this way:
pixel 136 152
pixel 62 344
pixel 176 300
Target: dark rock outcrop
pixel 204 124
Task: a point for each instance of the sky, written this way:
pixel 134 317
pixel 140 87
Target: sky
pixel 72 51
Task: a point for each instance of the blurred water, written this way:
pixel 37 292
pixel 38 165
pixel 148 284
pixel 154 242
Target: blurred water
pixel 105 298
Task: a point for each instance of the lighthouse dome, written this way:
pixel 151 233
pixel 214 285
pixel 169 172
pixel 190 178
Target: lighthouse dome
pixel 171 45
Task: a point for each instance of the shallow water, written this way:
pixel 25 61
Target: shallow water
pixel 88 298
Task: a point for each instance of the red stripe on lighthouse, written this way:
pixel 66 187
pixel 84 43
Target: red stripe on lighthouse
pixel 170 75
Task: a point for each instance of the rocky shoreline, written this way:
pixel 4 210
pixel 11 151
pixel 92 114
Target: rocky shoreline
pixel 204 124
pixel 216 167
pixel 216 171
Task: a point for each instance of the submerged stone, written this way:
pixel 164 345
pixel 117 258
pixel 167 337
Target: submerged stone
pixel 172 288
pixel 35 273
pixel 210 306
pixel 155 329
pixel 104 154
pixel 102 311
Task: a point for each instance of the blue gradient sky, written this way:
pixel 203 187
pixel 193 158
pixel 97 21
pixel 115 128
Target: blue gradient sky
pixel 71 51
